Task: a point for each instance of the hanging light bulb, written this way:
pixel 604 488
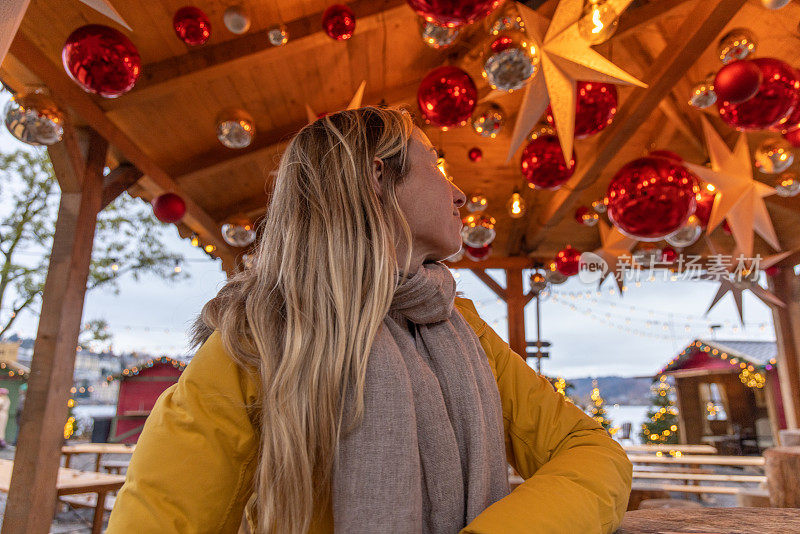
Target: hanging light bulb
pixel 114 266
pixel 195 240
pixel 177 268
pixel 598 21
pixel 516 206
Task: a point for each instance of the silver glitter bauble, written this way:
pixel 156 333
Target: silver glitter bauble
pixel 476 202
pixel 599 206
pixel 488 119
pixel 238 235
pixel 686 235
pixel 542 129
pixel 507 23
pixel 511 62
pixel 736 44
pixel 278 36
pixel 478 230
pixel 647 257
pixel 236 19
pixel 538 282
pixel 34 119
pixel 774 155
pixel 703 95
pixel 437 36
pixel 235 128
pixel 788 185
pixel 774 4
pixel 554 277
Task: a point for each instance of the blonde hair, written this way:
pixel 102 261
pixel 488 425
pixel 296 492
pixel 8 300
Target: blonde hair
pixel 303 318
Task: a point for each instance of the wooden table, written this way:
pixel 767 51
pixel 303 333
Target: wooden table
pixel 95 448
pixel 684 449
pixel 712 521
pixel 72 481
pixel 699 459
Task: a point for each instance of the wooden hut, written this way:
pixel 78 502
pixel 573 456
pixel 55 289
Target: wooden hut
pixel 12 377
pixel 729 394
pixel 161 136
pixel 139 388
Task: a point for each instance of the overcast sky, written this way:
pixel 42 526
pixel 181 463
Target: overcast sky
pixel 590 334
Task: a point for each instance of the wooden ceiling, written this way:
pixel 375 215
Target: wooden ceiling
pixel 165 126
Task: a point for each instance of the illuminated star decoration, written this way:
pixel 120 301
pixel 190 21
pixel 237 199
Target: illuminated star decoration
pixel 355 102
pixel 614 245
pixel 736 285
pixel 740 198
pixel 566 57
pixel 13 13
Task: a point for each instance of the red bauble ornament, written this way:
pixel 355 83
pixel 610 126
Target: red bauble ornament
pixel 772 104
pixel 447 97
pixel 504 42
pixel 737 81
pixel 475 154
pixel 543 164
pixel 668 254
pixel 477 253
pixel 339 22
pixel 793 136
pixel 101 60
pixel 595 108
pixel 192 25
pixel 704 201
pixel 568 261
pixel 581 213
pixel 772 270
pixel 453 13
pixel 651 197
pixel 169 208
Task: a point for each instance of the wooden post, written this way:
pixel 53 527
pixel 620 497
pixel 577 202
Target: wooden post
pixel 690 409
pixel 781 468
pixel 32 495
pixel 786 286
pixel 515 302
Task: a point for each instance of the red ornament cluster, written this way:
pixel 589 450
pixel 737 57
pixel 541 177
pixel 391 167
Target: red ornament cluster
pixel 595 107
pixel 101 60
pixel 453 13
pixel 447 97
pixel 475 154
pixel 192 25
pixel 339 22
pixel 651 197
pixel 543 165
pixel 477 253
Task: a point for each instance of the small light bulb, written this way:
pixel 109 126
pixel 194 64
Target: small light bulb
pixel 598 22
pixel 516 206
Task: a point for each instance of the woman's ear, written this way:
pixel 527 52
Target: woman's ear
pixel 377 176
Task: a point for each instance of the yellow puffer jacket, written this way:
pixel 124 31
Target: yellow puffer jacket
pixel 193 467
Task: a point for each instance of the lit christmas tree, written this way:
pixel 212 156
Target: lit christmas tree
pixel 69 426
pixel 598 411
pixel 562 386
pixel 663 424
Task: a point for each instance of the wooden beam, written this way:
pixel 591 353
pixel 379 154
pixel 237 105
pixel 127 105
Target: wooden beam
pixel 698 31
pixel 510 262
pixel 633 20
pixel 68 157
pixel 786 286
pixel 118 181
pixel 515 302
pixel 68 95
pixel 208 62
pixel 32 494
pixel 487 279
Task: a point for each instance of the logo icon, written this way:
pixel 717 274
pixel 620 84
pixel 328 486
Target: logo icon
pixel 591 268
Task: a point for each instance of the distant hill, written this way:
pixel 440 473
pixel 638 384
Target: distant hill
pixel 613 389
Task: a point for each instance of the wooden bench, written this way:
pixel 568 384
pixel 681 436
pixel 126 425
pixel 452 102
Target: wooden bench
pixel 115 466
pixel 87 500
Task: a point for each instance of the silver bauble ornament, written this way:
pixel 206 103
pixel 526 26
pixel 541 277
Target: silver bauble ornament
pixel 703 95
pixel 278 35
pixel 488 119
pixel 736 44
pixel 687 235
pixel 236 19
pixel 437 36
pixel 235 128
pixel 774 155
pixel 774 4
pixel 788 185
pixel 476 202
pixel 238 235
pixel 511 61
pixel 478 230
pixel 34 118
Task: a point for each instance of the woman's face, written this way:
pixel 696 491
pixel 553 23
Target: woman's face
pixel 430 203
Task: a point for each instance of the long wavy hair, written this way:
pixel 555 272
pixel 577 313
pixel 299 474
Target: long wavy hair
pixel 302 319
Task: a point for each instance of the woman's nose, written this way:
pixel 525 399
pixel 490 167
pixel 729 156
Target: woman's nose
pixel 460 198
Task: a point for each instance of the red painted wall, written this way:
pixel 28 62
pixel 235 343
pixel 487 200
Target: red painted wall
pixel 141 395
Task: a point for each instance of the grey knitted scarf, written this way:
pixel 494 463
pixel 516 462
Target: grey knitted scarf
pixel 429 455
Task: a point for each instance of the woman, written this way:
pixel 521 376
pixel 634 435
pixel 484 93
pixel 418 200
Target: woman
pixel 342 384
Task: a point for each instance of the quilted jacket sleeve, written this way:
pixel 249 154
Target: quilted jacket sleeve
pixel 192 468
pixel 577 478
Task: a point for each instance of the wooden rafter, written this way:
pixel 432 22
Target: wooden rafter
pixel 487 279
pixel 633 20
pixel 305 34
pixel 118 181
pixel 698 31
pixel 69 95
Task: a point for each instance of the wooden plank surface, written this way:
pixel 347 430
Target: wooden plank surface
pixel 684 449
pixel 697 460
pixel 69 481
pixel 98 448
pixel 712 520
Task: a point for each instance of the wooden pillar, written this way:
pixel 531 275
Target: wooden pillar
pixel 786 286
pixel 690 409
pixel 515 302
pixel 32 496
pixel 782 466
